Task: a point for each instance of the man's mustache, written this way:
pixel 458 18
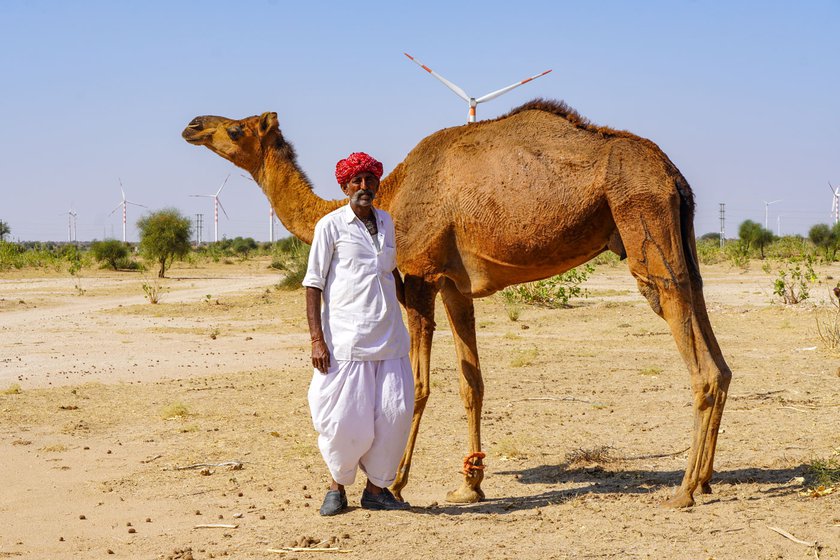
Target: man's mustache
pixel 358 194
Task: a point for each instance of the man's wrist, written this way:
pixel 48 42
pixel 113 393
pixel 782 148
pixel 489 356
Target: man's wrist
pixel 317 339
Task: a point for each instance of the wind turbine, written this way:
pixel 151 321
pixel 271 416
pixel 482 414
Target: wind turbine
pixel 835 203
pixel 124 203
pixel 766 206
pixel 216 205
pixel 472 101
pixel 71 225
pixel 270 213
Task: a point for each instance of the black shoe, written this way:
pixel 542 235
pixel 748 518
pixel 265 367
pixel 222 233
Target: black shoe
pixel 334 503
pixel 383 501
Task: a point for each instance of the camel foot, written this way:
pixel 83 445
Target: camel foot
pixel 681 499
pixel 397 493
pixel 705 488
pixel 465 495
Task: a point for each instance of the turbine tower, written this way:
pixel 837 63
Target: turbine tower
pixel 216 205
pixel 835 203
pixel 472 101
pixel 71 225
pixel 123 204
pixel 270 212
pixel 766 206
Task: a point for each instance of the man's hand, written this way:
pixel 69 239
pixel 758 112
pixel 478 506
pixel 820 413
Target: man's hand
pixel 320 356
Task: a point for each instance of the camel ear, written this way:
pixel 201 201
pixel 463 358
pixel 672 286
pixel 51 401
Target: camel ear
pixel 268 122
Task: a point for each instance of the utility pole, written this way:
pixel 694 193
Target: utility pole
pixel 722 228
pixel 271 223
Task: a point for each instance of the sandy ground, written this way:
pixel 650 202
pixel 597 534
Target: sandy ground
pixel 116 394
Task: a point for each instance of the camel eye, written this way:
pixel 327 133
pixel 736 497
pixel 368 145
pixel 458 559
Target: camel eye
pixel 235 132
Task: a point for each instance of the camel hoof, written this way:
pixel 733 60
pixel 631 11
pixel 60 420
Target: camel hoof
pixel 465 495
pixel 705 488
pixel 681 499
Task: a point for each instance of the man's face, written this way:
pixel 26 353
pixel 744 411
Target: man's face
pixel 362 188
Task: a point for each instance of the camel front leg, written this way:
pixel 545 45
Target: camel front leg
pixel 461 314
pixel 420 308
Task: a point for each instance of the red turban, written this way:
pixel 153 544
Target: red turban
pixel 356 163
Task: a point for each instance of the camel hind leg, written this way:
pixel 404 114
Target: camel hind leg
pixel 660 258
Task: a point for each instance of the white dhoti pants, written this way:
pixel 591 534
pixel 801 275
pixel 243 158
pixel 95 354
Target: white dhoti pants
pixel 362 412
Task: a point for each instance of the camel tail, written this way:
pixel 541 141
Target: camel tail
pixel 687 229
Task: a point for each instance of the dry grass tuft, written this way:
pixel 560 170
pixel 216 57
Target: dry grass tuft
pixel 523 358
pixel 509 448
pixel 175 410
pixel 581 456
pixel 14 389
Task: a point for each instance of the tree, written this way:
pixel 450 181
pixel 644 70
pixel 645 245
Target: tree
pixel 826 238
pixel 110 251
pixel 164 237
pixel 754 236
pixel 4 230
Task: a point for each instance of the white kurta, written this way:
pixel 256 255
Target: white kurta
pixel 362 407
pixel 360 314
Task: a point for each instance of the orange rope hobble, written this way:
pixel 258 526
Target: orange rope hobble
pixel 469 466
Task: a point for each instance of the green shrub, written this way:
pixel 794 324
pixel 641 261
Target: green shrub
pixel 793 281
pixel 164 237
pixel 110 252
pixel 291 256
pixel 710 252
pixel 554 292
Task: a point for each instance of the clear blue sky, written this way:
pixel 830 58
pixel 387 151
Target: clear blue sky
pixel 742 96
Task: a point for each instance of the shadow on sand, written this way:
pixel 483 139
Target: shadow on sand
pixel 597 480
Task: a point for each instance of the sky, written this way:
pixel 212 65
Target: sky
pixel 743 96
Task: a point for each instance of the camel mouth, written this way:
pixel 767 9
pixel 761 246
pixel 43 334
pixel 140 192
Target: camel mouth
pixel 195 134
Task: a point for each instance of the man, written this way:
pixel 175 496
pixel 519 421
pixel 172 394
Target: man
pixel 362 391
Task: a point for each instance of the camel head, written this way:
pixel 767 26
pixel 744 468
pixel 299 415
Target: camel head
pixel 243 142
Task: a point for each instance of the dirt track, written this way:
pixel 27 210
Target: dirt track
pixel 87 436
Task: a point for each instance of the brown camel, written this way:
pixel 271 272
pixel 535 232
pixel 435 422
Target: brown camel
pixel 523 197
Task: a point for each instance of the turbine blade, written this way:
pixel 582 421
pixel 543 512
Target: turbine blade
pixel 219 202
pixel 458 91
pixel 223 184
pixel 499 92
pixel 117 208
pixel 136 204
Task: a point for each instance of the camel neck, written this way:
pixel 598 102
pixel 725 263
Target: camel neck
pixel 290 194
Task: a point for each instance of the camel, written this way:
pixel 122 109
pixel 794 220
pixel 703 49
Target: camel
pixel 519 198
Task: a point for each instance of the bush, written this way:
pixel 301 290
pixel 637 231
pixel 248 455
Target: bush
pixel 828 322
pixel 554 292
pixel 709 251
pixel 827 239
pixel 754 236
pixel 242 246
pixel 793 281
pixel 111 252
pixel 291 255
pixel 164 237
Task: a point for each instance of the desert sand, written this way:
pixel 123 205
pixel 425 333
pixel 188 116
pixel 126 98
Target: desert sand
pixel 106 398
